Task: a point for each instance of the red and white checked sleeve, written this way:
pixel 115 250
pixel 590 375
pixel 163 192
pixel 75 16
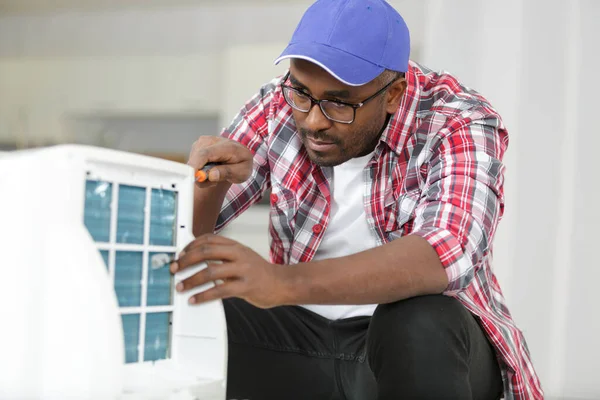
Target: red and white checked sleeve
pixel 250 128
pixel 462 200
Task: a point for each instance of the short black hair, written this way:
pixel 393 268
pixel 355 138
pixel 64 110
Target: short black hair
pixel 388 75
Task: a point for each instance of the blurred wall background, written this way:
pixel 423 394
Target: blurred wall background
pixel 150 76
pixel 98 61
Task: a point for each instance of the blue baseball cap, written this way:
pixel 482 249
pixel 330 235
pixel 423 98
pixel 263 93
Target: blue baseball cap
pixel 353 40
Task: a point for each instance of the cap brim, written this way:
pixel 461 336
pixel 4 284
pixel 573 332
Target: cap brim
pixel 346 68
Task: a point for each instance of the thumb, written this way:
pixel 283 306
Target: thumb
pixel 221 173
pixel 214 175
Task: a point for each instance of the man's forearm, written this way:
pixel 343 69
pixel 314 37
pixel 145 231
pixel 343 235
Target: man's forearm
pixel 403 268
pixel 207 206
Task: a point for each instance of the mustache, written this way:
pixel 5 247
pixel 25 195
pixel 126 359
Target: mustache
pixel 318 135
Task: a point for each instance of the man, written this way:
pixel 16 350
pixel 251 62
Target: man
pixel 387 189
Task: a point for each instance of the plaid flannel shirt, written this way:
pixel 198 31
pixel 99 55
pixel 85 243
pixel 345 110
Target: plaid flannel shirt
pixel 437 172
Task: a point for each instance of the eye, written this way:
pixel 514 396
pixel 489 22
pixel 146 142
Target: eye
pixel 336 104
pixel 301 92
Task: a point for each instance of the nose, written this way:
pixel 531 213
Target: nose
pixel 315 120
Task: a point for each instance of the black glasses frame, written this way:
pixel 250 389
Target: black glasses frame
pixel 355 106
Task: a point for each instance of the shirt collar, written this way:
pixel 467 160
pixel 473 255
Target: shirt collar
pixel 400 126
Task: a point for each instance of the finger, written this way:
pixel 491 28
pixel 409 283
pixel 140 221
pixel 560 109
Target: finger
pixel 204 155
pixel 202 149
pixel 220 173
pixel 207 238
pixel 216 150
pixel 206 184
pixel 223 291
pixel 206 252
pixel 213 272
pixel 198 157
pixel 232 172
pixel 202 173
pixel 216 174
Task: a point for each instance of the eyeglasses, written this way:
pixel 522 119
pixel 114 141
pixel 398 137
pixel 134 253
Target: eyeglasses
pixel 334 110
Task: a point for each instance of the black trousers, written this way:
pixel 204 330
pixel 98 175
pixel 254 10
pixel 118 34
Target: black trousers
pixel 427 347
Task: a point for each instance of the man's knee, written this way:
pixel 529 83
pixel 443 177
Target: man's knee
pixel 420 346
pixel 418 319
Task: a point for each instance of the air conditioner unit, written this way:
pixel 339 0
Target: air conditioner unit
pixel 85 314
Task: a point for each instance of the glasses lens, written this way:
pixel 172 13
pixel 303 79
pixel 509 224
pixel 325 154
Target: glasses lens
pixel 296 99
pixel 337 111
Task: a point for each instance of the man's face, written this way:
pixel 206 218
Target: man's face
pixel 330 143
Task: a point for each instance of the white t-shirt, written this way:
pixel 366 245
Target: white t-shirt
pixel 348 231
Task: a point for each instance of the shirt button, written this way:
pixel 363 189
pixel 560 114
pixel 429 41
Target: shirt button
pixel 317 228
pixel 274 198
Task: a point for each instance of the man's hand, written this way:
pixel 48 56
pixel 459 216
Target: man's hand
pixel 243 272
pixel 236 160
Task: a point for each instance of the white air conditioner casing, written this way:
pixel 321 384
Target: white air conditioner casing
pixel 62 330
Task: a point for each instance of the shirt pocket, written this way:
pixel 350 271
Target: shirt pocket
pixel 401 211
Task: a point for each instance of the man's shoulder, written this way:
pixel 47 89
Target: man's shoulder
pixel 261 109
pixel 440 92
pixel 270 92
pixel 274 110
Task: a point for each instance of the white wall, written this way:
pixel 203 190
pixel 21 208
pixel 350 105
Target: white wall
pixel 204 59
pixel 537 69
pixel 39 94
pixel 245 68
pixel 580 313
pixel 182 30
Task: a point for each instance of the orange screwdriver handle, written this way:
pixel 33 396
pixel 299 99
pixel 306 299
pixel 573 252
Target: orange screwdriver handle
pixel 202 173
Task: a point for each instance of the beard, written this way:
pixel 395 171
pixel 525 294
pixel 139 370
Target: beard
pixel 354 144
pixel 330 159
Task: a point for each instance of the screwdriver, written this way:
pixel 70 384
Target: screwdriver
pixel 202 173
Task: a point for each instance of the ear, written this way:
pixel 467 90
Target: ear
pixel 394 96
